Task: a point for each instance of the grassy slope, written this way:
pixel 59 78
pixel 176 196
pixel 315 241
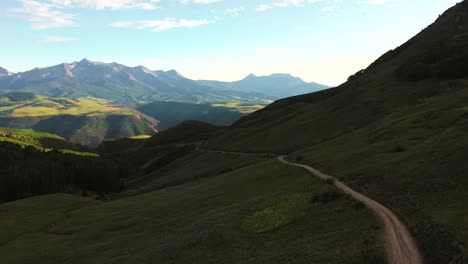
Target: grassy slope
pixel 399 141
pixel 172 113
pixel 208 217
pixel 185 132
pixel 32 138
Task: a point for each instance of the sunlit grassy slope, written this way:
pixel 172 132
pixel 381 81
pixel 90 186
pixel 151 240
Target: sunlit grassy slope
pixel 204 216
pixel 47 106
pixel 41 141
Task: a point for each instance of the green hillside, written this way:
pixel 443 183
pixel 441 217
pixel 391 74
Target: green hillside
pixel 212 213
pixel 400 140
pixel 222 114
pixel 35 139
pixel 85 121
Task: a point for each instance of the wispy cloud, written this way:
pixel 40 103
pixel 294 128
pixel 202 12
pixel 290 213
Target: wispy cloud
pixel 51 38
pixel 284 3
pixel 235 11
pixel 162 25
pixel 42 15
pixel 262 8
pixel 108 4
pixel 199 1
pixel 376 2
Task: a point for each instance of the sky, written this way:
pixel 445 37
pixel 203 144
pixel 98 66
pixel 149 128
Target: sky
pixel 323 41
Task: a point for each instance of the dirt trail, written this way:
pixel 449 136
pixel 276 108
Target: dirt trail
pixel 400 246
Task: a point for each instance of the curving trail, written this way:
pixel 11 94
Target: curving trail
pixel 400 246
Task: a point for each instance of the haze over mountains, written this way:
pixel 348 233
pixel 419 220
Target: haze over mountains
pixel 277 85
pixel 132 85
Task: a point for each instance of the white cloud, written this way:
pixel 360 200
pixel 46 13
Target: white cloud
pixel 42 15
pixel 57 39
pixel 262 8
pixel 376 2
pixel 235 11
pixel 328 8
pixel 199 1
pixel 162 25
pixel 284 3
pixel 108 4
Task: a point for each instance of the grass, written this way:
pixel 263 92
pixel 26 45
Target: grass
pixel 46 106
pixel 277 213
pixel 245 108
pixel 141 137
pixel 199 219
pixel 32 138
pixel 41 141
pixel 79 153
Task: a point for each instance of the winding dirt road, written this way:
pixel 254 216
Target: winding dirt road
pixel 400 246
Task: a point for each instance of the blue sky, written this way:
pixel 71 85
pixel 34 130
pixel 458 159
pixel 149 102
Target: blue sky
pixel 318 40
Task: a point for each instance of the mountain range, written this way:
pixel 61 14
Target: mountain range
pixel 134 85
pixel 277 85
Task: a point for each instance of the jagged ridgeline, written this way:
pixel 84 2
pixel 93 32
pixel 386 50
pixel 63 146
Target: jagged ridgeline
pixel 85 121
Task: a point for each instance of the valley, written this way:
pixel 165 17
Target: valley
pixel 106 163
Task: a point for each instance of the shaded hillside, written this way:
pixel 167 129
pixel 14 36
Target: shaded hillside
pixel 85 121
pixel 211 208
pixel 276 85
pixel 186 132
pixel 401 140
pixel 170 114
pixel 37 163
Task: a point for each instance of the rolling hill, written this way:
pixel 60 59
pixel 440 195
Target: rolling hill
pixel 85 121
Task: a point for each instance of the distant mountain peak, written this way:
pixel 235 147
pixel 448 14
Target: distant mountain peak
pixel 4 71
pixel 84 61
pixel 251 76
pixel 175 73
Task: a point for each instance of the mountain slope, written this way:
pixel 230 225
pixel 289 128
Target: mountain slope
pixel 85 121
pixel 170 114
pixel 4 72
pixel 276 85
pixel 394 132
pixel 118 82
pixel 36 163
